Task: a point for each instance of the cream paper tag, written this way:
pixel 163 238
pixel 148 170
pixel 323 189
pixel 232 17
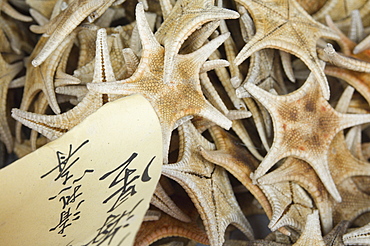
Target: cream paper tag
pixel 92 186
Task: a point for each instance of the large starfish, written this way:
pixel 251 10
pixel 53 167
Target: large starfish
pixel 7 74
pixel 304 126
pixel 185 17
pixel 286 26
pixel 207 186
pixel 53 126
pixel 182 97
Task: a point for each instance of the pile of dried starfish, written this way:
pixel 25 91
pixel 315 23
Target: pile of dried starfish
pixel 264 106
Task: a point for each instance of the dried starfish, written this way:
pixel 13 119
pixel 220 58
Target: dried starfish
pixel 311 234
pixel 185 17
pixel 7 74
pixel 288 27
pixel 359 236
pixel 207 186
pixel 167 226
pixel 236 160
pixel 290 204
pixel 300 172
pixel 334 238
pixel 292 114
pixel 148 81
pixel 53 126
pixel 63 24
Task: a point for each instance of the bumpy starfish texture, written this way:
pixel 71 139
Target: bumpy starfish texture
pixel 335 237
pixel 300 172
pixel 148 81
pixel 237 160
pixel 288 27
pixel 167 226
pixel 185 17
pixel 311 234
pixel 7 74
pixel 359 236
pixel 53 126
pixel 207 186
pixel 292 114
pixel 63 24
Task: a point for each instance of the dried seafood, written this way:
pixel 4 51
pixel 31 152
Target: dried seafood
pixel 264 107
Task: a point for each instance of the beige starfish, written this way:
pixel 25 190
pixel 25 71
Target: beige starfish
pixel 53 126
pixel 359 236
pixel 301 173
pixel 236 159
pixel 165 98
pixel 292 114
pixel 207 186
pixel 334 238
pixel 290 205
pixel 185 17
pixel 288 27
pixel 7 74
pixel 63 24
pixel 312 233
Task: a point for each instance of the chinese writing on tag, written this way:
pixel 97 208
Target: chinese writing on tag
pixel 123 181
pixel 70 196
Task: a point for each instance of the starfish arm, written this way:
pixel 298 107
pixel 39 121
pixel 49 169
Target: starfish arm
pixel 70 18
pixel 363 45
pixel 188 16
pixel 359 236
pixel 312 233
pixel 162 201
pixel 9 10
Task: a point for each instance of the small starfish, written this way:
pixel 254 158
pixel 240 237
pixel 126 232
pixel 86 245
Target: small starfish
pixel 292 114
pixel 63 24
pixel 182 97
pixel 185 17
pixel 288 27
pixel 7 74
pixel 207 186
pixel 53 126
pixel 236 160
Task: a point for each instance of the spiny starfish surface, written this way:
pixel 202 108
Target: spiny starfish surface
pixel 288 27
pixel 304 126
pixel 53 126
pixel 165 98
pixel 207 186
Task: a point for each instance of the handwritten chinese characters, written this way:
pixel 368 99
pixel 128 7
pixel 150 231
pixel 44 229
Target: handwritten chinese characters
pixel 123 183
pixel 70 195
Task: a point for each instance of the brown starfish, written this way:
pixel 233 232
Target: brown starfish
pixel 167 226
pixel 165 98
pixel 335 237
pixel 311 234
pixel 207 186
pixel 304 126
pixel 288 27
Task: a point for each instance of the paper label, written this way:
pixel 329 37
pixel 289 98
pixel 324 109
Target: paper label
pixel 92 186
